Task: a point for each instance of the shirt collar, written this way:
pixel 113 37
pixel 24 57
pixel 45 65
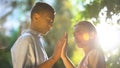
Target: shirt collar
pixel 34 32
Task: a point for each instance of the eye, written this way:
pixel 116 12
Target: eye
pixel 50 21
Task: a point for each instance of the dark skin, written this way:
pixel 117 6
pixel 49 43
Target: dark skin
pixel 42 23
pixel 64 57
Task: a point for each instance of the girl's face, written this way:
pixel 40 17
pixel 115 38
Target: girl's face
pixel 83 37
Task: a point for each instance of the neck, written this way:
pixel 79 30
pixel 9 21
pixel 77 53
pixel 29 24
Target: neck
pixel 93 44
pixel 32 27
pixel 87 50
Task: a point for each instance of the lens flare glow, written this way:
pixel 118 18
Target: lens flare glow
pixel 108 36
pixel 86 36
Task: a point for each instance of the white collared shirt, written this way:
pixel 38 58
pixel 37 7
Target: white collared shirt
pixel 27 52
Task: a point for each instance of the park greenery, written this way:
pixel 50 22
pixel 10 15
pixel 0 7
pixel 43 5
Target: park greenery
pixel 15 17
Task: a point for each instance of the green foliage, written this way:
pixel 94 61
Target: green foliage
pixel 5 61
pixel 113 6
pixel 113 61
pixel 6 42
pixel 68 13
pixel 91 10
pixel 77 56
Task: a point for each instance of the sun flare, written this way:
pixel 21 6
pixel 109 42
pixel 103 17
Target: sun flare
pixel 108 36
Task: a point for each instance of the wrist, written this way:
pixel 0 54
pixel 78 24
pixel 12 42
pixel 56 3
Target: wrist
pixel 64 56
pixel 54 58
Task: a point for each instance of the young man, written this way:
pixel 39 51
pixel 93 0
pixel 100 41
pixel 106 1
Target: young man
pixel 86 38
pixel 28 52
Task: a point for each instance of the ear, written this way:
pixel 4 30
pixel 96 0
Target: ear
pixel 36 16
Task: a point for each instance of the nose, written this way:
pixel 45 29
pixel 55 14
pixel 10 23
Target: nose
pixel 50 22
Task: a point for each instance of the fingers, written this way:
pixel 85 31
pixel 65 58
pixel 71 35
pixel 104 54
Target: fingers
pixel 62 42
pixel 59 47
pixel 64 38
pixel 66 35
pixel 64 47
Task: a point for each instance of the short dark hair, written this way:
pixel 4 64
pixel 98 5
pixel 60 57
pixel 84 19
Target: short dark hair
pixel 86 24
pixel 41 7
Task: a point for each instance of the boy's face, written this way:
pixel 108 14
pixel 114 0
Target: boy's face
pixel 44 22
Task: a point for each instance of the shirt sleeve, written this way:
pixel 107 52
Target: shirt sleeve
pixel 96 59
pixel 20 50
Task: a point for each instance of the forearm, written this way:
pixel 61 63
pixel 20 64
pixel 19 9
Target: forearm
pixel 67 62
pixel 49 63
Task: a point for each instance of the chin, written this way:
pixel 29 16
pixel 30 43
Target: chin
pixel 81 45
pixel 45 33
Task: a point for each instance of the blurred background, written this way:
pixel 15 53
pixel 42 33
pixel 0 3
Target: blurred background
pixel 105 14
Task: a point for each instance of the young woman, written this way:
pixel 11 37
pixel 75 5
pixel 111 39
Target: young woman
pixel 85 36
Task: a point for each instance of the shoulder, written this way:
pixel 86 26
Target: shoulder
pixel 25 37
pixel 23 42
pixel 96 52
pixel 96 57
